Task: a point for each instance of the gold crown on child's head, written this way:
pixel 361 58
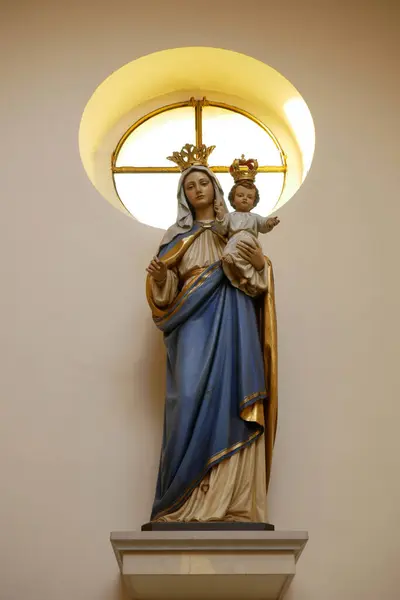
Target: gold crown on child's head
pixel 191 155
pixel 244 169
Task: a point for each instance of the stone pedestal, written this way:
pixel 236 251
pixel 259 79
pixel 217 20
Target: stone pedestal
pixel 208 565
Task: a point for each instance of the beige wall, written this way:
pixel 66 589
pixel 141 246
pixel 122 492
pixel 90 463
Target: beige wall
pixel 81 397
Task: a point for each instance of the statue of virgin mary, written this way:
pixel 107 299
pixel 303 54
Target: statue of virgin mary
pixel 221 394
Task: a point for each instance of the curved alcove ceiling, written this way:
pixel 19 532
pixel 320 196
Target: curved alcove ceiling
pixel 174 75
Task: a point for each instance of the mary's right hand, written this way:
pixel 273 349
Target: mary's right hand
pixel 158 270
pixel 252 253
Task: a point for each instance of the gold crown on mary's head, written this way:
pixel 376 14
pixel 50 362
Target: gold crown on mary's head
pixel 243 169
pixel 191 156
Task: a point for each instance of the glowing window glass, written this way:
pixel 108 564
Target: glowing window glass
pixel 150 143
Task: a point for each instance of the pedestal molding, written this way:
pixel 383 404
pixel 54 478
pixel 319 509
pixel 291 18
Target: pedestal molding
pixel 151 560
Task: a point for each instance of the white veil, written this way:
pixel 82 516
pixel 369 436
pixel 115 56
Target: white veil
pixel 184 220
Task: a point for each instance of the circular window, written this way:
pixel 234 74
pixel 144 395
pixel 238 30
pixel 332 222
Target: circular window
pixel 240 105
pixel 145 179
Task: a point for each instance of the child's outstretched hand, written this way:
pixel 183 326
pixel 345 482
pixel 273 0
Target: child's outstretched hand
pixel 272 222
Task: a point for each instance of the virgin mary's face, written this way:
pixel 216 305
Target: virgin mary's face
pixel 199 189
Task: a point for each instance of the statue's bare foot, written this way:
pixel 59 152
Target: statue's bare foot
pixel 228 259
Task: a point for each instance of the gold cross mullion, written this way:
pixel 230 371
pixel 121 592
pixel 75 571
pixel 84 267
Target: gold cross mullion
pixel 198 122
pixel 198 108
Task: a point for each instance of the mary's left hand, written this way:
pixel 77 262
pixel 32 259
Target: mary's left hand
pixel 251 253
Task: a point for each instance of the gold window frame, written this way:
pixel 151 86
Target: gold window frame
pixel 198 108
